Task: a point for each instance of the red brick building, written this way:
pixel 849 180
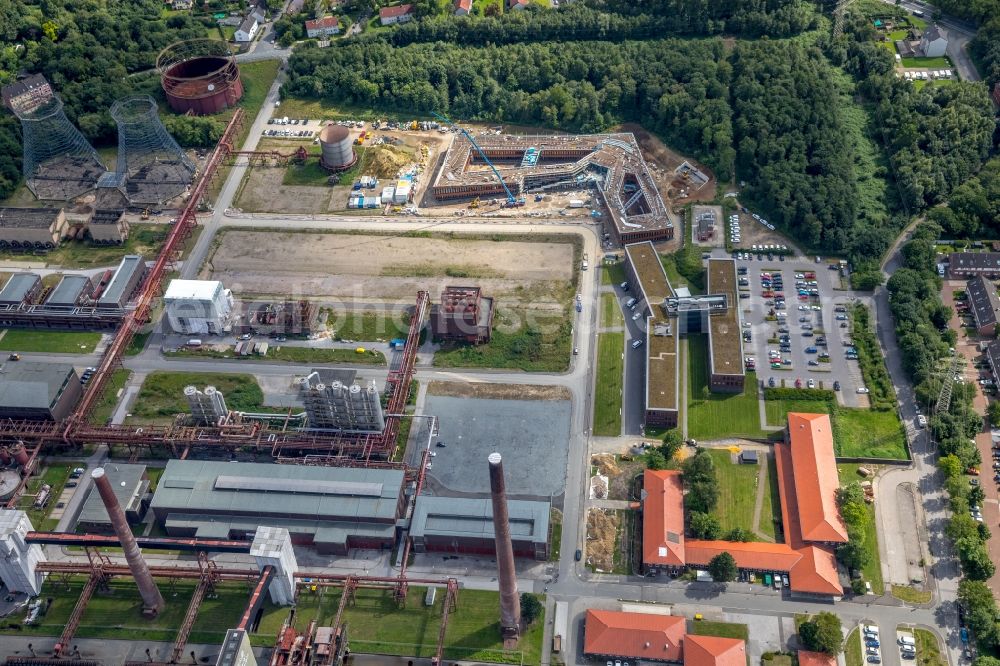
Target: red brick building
pixel 464 315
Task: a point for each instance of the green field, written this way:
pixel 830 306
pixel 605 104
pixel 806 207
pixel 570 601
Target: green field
pixel 105 406
pixel 770 515
pixel 611 311
pixel 777 410
pixel 162 394
pixel 848 473
pixel 613 274
pixel 941 62
pixel 368 326
pixel 718 415
pixel 852 649
pixel 377 625
pixel 311 173
pixel 608 390
pixel 117 612
pixel 722 629
pixel 911 594
pixel 737 491
pixel 928 649
pixel 545 346
pixel 54 475
pixel 53 342
pixel 869 434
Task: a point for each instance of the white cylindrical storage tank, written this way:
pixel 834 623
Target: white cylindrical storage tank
pixel 337 149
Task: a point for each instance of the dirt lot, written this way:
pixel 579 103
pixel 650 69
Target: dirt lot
pixel 619 472
pixel 388 268
pixel 498 391
pixel 753 233
pixel 602 529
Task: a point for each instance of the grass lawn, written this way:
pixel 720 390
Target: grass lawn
pixel 928 649
pixel 369 326
pixel 379 626
pixel 545 346
pixel 777 660
pixel 722 629
pixel 144 239
pixel 608 391
pixel 55 476
pixel 852 648
pixel 769 522
pixel 777 410
pixel 611 311
pixel 555 534
pixel 137 344
pixel 717 415
pixel 848 473
pixel 613 274
pixel 105 405
pixel 737 491
pixel 941 62
pixel 53 342
pixel 867 433
pixel 117 613
pixel 293 355
pixel 940 82
pixel 162 394
pixel 911 594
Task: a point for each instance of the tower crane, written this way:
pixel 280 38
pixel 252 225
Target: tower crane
pixel 511 199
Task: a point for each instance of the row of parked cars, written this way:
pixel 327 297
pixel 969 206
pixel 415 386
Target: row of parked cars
pixel 291 133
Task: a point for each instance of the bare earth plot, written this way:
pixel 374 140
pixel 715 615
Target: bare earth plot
pixel 388 268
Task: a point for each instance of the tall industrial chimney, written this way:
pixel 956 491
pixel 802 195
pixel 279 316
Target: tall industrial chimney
pixel 152 601
pixel 510 603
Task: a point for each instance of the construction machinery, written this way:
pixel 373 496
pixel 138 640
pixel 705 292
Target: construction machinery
pixel 512 201
pixel 475 203
pixel 145 214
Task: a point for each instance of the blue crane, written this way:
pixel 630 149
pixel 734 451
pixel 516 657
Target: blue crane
pixel 511 199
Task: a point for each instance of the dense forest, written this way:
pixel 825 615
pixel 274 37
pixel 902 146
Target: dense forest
pixel 677 88
pixel 791 147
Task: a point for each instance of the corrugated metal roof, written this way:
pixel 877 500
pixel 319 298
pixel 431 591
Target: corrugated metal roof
pixel 17 287
pixel 463 517
pixel 128 495
pixel 34 385
pixel 126 269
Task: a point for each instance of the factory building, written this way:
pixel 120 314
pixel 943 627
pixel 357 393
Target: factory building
pixel 38 391
pixel 124 282
pixel 108 226
pixel 21 288
pixel 31 227
pixel 71 290
pixel 207 407
pixel 334 400
pixel 464 315
pixel 333 509
pixel 276 318
pixel 131 487
pixel 198 307
pixel 460 525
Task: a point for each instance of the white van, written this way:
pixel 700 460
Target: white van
pixel 906 640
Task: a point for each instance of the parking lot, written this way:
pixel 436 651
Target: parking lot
pixel 798 325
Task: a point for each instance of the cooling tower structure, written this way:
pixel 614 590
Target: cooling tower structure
pixel 152 601
pixel 199 76
pixel 337 149
pixel 207 407
pixel 59 163
pixel 341 406
pixel 154 166
pixel 510 603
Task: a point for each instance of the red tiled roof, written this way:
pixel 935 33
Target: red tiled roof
pixel 663 518
pixel 636 635
pixel 753 555
pixel 464 4
pixel 322 23
pixel 815 478
pixel 816 572
pixel 807 658
pixel 714 651
pixel 397 10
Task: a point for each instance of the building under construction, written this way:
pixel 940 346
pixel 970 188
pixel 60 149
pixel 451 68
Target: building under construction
pixel 464 315
pixel 611 164
pixel 335 401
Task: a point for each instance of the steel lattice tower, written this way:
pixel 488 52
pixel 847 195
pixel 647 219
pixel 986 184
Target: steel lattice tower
pixel 59 162
pixel 154 165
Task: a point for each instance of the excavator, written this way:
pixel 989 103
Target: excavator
pixel 475 203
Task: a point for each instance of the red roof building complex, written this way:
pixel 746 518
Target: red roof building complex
pixel 807 484
pixel 635 635
pixel 656 637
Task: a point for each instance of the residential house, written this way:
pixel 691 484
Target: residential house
pixel 322 27
pixel 395 14
pixel 247 30
pixel 517 4
pixel 984 303
pixel 933 43
pixel 463 7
